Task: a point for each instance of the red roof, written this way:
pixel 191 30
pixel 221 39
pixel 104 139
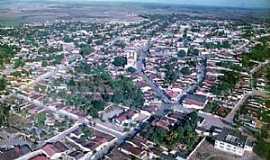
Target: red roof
pixel 49 149
pixel 40 157
pixel 56 147
pixel 125 115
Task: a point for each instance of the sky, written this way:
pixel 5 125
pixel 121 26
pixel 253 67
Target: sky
pixel 226 3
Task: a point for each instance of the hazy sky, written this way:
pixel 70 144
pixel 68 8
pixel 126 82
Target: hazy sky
pixel 228 3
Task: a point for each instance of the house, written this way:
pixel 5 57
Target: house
pixel 232 142
pixel 164 122
pixel 15 152
pixel 39 157
pixel 195 101
pixel 54 149
pixel 117 154
pixel 125 118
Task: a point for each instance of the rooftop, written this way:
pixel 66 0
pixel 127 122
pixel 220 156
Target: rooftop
pixel 232 137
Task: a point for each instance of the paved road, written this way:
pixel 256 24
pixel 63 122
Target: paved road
pixel 230 116
pixel 260 66
pixel 63 134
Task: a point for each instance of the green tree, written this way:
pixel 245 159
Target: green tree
pixel 86 50
pixel 67 39
pixel 171 74
pixel 4 114
pixel 40 119
pixel 3 83
pixel 44 63
pixel 19 63
pixel 186 71
pixel 181 54
pixel 86 133
pixel 131 70
pixel 120 61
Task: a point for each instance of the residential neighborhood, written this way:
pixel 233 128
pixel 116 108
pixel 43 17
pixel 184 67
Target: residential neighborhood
pixel 162 86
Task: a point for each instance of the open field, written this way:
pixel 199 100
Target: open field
pixel 14 12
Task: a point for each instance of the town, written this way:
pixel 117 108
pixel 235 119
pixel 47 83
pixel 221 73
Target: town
pixel 166 86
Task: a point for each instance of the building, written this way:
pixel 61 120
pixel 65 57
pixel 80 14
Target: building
pixel 132 58
pixel 195 101
pixel 232 142
pixel 14 152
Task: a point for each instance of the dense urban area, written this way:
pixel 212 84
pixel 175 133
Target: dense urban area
pixel 161 87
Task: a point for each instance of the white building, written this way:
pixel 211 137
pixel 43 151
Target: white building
pixel 132 58
pixel 232 142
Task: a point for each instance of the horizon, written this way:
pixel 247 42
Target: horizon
pixel 245 4
pixel 250 4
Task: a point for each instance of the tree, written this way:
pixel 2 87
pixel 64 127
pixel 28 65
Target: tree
pixel 262 148
pixel 44 63
pixel 19 63
pixel 185 71
pixel 6 53
pixel 3 83
pixel 4 114
pixel 40 119
pixel 181 53
pixel 127 93
pixel 267 75
pixel 87 134
pixel 120 61
pixel 67 39
pixel 193 52
pixel 86 50
pixel 171 74
pixel 131 70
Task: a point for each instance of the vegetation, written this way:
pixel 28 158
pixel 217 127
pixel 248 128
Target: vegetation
pixel 181 54
pixel 40 119
pixel 211 107
pixel 3 83
pixel 229 65
pixel 18 63
pixel 85 50
pixel 265 114
pixel 218 45
pixel 86 133
pixel 227 83
pixel 262 148
pixel 120 61
pixel 91 92
pixel 67 39
pixel 57 59
pixel 267 74
pixel 4 114
pixel 260 52
pixel 172 72
pixel 182 133
pixel 44 63
pixel 127 93
pixel 131 70
pixel 185 71
pixel 6 53
pixel 193 52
